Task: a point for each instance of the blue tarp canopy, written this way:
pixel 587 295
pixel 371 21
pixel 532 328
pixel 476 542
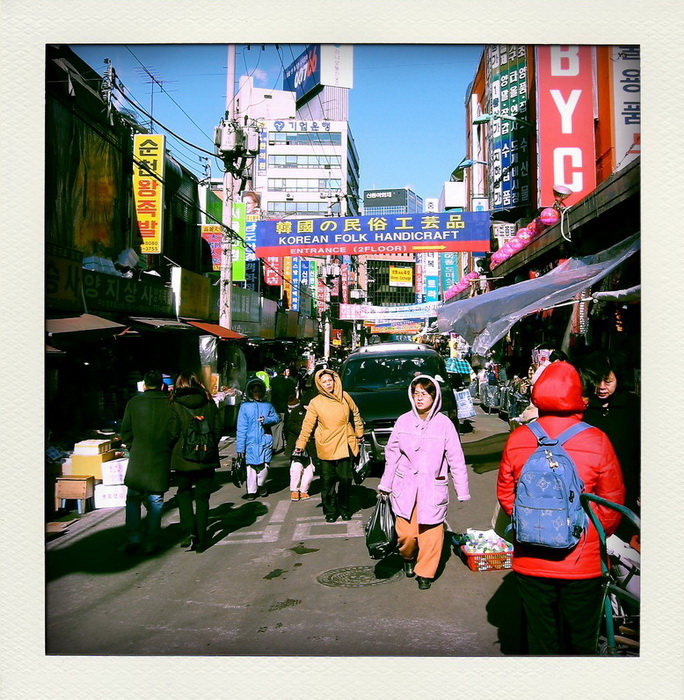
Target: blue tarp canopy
pixel 486 318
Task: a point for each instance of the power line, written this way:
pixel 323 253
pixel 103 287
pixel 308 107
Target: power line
pixel 167 94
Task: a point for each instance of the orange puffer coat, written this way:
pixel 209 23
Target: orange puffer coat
pixel 558 396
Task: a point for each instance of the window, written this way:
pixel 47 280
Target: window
pixel 301 161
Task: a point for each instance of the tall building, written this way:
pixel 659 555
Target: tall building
pixel 307 163
pixel 386 277
pixel 391 201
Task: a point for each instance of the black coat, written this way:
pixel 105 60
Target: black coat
pixel 196 400
pixel 621 422
pixel 292 426
pixel 145 431
pixel 281 389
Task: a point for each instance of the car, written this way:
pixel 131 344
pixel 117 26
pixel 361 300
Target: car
pixel 377 378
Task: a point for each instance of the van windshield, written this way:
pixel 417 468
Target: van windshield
pixel 378 373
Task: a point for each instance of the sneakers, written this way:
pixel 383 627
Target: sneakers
pixel 295 496
pixel 303 496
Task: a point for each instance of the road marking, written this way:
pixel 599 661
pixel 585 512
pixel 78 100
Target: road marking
pixel 307 527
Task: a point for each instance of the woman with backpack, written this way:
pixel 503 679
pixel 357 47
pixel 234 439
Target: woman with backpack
pixel 561 588
pixel 196 425
pixel 254 441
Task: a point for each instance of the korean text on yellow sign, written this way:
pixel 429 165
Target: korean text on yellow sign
pixel 148 190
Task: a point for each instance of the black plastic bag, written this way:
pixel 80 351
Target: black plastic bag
pixel 381 536
pixel 361 466
pixel 239 470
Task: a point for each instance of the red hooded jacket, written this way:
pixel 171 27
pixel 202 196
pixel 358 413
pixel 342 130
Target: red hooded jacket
pixel 558 396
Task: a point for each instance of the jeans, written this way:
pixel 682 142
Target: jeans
pixel 153 503
pixel 194 523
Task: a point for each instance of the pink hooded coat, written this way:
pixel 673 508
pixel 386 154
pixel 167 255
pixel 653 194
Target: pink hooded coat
pixel 418 456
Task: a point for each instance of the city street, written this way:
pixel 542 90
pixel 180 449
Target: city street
pixel 279 580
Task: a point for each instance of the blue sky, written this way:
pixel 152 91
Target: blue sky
pixel 406 109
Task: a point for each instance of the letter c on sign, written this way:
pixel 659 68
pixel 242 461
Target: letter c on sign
pixel 573 180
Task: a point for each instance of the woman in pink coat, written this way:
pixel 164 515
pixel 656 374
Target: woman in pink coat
pixel 422 449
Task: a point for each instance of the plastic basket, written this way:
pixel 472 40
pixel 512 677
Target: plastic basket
pixel 487 561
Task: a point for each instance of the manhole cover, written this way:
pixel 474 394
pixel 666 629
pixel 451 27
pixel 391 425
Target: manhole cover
pixel 358 576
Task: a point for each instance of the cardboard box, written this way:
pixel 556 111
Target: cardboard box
pixel 114 471
pixel 92 447
pixel 90 465
pixel 112 496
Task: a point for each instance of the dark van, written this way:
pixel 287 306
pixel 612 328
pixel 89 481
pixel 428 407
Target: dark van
pixel 377 377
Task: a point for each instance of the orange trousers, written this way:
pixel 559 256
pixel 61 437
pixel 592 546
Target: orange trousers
pixel 428 540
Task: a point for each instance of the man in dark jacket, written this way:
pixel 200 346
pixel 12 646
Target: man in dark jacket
pixel 145 430
pixel 282 387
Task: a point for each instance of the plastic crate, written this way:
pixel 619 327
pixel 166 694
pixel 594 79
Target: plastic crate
pixel 487 561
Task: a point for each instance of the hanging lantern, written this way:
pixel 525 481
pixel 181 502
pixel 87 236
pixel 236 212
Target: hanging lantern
pixel 524 234
pixel 549 216
pixel 516 244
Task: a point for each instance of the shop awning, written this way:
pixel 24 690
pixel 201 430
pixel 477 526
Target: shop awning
pixel 81 324
pixel 215 329
pixel 486 318
pixel 49 350
pixel 162 323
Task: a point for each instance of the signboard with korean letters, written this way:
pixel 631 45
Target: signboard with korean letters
pixel 509 141
pixel 626 84
pixel 148 190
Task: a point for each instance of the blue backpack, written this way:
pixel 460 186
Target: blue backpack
pixel 547 511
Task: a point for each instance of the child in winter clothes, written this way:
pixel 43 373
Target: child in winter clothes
pixel 254 440
pixel 302 467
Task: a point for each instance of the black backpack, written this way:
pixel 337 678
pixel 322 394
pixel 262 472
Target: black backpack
pixel 197 441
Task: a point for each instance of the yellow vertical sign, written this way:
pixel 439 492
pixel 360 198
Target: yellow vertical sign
pixel 148 190
pixel 287 278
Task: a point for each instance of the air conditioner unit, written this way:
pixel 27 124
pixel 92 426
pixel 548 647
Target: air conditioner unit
pixel 289 197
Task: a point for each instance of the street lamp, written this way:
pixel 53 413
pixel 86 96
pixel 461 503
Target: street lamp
pixel 485 118
pixel 468 163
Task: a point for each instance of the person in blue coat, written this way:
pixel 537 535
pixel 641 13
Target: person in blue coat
pixel 254 441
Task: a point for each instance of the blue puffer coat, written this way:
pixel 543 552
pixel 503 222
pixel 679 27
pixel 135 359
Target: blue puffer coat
pixel 254 439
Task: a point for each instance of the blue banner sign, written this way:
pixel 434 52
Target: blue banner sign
pixel 363 235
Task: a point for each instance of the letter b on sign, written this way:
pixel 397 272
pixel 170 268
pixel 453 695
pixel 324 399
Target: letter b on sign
pixel 565 60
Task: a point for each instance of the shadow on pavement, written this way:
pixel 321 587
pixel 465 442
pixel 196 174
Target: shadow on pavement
pixel 484 455
pixel 505 612
pixel 102 551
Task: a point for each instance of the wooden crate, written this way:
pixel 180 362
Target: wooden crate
pixel 78 488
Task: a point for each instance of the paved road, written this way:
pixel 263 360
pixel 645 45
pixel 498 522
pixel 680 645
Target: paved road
pixel 263 587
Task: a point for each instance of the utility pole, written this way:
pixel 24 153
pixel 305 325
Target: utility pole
pixel 225 316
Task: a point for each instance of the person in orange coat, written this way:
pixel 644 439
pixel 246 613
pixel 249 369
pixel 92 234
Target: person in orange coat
pixel 561 589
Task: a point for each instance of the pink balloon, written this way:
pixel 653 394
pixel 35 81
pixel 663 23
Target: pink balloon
pixel 549 216
pixel 524 235
pixel 473 275
pixel 506 249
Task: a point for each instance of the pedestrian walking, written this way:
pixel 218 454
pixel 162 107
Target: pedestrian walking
pixel 282 386
pixel 194 410
pixel 301 467
pixel 334 420
pixel 145 431
pixel 422 450
pixel 254 440
pixel 561 589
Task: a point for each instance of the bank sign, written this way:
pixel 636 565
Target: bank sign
pixel 364 235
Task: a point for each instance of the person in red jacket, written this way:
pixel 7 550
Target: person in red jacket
pixel 561 589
